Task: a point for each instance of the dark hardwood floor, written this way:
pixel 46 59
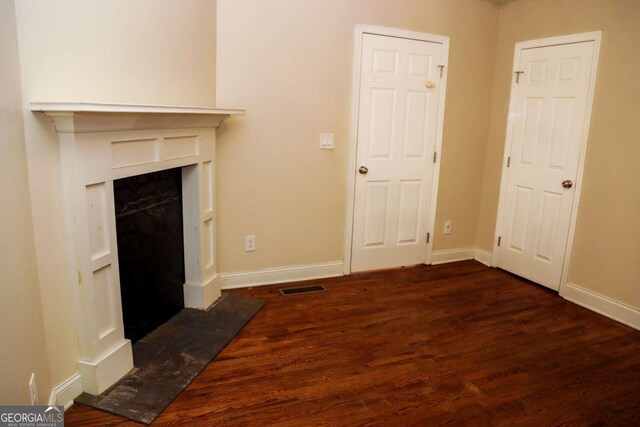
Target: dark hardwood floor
pixel 456 344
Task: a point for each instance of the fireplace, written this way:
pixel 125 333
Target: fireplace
pixel 149 231
pixel 99 145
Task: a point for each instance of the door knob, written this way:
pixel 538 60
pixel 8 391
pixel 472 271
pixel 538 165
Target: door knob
pixel 429 85
pixel 567 184
pixel 363 170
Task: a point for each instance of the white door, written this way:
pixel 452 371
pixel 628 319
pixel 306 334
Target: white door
pixel 397 123
pixel 549 110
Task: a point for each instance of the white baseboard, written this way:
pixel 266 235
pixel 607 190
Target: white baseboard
pixel 272 276
pixel 64 394
pixel 201 296
pixel 600 304
pixel 484 257
pixel 99 375
pixel 452 255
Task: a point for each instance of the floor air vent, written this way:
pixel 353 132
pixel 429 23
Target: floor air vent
pixel 302 290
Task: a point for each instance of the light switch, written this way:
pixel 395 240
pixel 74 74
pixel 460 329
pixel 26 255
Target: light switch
pixel 326 141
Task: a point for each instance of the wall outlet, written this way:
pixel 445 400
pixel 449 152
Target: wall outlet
pixel 249 243
pixel 447 227
pixel 33 390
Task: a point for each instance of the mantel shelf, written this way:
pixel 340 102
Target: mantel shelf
pixel 97 107
pixel 79 117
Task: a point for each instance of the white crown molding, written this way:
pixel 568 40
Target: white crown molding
pixel 79 117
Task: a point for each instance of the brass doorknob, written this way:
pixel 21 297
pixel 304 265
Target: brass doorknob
pixel 429 85
pixel 567 184
pixel 363 170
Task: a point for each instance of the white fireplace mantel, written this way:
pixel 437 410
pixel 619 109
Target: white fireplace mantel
pixel 80 117
pixel 100 143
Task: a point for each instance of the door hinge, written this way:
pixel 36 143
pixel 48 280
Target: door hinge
pixel 435 156
pixel 499 240
pixel 508 161
pixel 518 76
pixel 428 237
pixel 441 70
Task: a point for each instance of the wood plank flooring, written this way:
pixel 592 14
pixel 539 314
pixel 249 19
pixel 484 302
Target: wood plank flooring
pixel 455 344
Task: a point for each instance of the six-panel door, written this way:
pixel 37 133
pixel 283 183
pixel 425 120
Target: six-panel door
pixel 548 116
pixel 398 112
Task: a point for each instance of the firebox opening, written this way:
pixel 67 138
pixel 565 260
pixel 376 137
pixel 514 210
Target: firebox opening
pixel 149 228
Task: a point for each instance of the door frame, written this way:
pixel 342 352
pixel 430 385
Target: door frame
pixel 360 31
pixel 596 37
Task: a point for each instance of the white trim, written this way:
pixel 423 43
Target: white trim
pixel 596 37
pixel 505 156
pixel 352 150
pixel 82 117
pixel 452 255
pixel 64 394
pixel 272 276
pixel 564 277
pixel 105 121
pixel 100 107
pixel 565 39
pixel 201 296
pixel 99 375
pixel 435 185
pixel 360 30
pixel 485 257
pixel 602 305
pixel 402 34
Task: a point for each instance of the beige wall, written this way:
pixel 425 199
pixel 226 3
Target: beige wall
pixel 290 64
pixel 23 349
pixel 121 51
pixel 607 241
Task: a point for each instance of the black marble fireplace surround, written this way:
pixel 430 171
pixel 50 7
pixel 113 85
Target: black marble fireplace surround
pixel 150 249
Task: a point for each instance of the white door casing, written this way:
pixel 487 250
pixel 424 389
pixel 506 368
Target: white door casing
pixel 401 89
pixel 549 114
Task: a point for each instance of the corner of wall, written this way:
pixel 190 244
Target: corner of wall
pixel 494 147
pixel 22 316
